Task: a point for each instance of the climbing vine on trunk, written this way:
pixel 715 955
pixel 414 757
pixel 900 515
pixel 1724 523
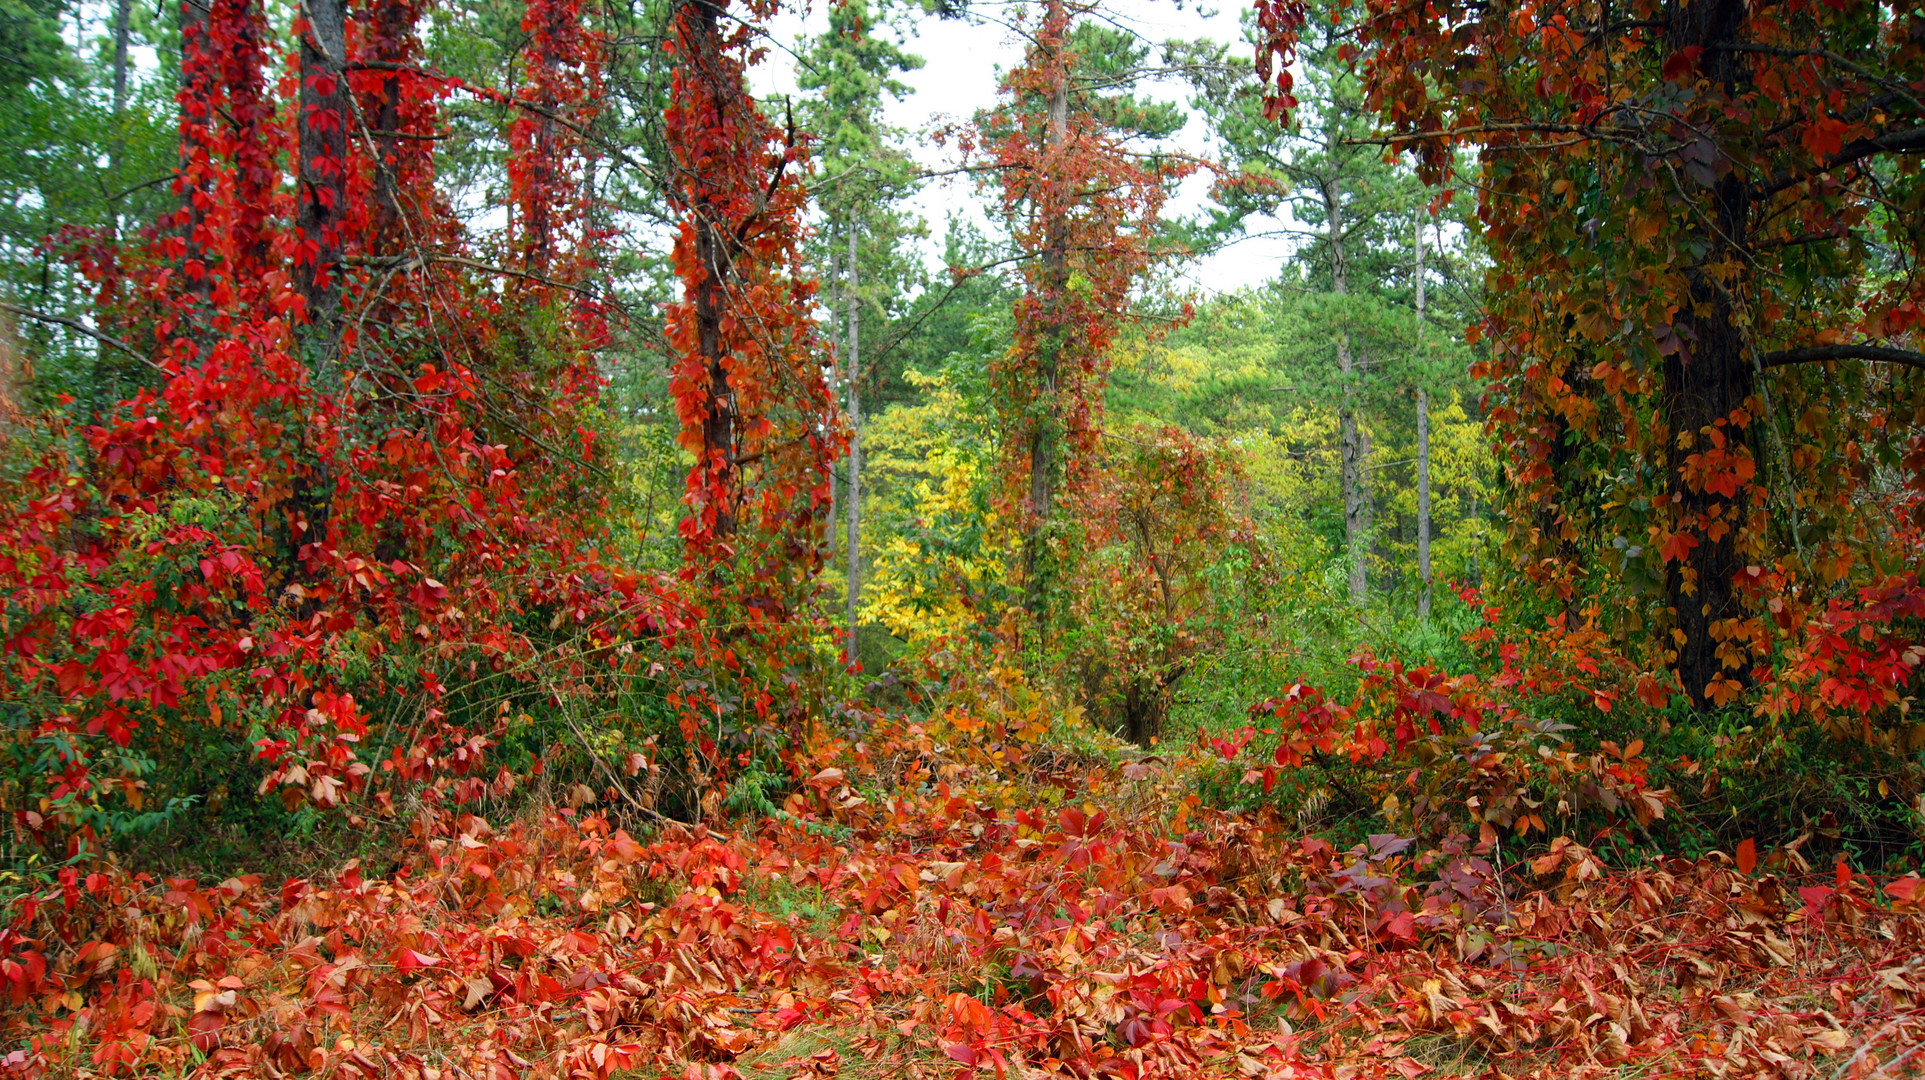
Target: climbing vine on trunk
pixel 1704 306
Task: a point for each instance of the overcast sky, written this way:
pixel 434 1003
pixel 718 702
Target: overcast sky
pixel 961 59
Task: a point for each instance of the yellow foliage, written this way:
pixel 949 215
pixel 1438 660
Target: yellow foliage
pixel 936 547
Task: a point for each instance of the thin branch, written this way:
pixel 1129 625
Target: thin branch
pixel 1818 354
pixel 1897 87
pixel 434 137
pixel 1835 233
pixel 80 327
pixel 162 179
pixel 1890 142
pixel 495 97
pixel 416 262
pixel 958 278
pixel 1479 129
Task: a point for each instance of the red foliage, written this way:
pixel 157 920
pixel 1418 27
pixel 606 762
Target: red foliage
pixel 1151 939
pixel 748 384
pixel 747 381
pixel 272 524
pixel 1083 207
pixel 561 82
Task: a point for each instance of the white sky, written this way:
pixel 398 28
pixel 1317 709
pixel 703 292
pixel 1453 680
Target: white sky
pixel 961 60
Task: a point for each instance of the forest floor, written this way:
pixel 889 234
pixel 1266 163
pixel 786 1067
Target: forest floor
pixel 917 911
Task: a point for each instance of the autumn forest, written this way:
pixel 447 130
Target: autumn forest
pixel 961 539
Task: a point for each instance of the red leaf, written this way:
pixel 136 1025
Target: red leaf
pixel 1681 64
pixel 409 960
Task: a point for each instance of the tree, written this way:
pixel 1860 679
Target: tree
pixel 1347 204
pixel 1704 219
pixel 1158 522
pixel 1423 438
pixel 746 380
pixel 1083 206
pixel 86 147
pixel 322 171
pixel 268 566
pixel 863 176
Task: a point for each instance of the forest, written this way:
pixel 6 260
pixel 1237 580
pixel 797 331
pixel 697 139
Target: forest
pixel 961 539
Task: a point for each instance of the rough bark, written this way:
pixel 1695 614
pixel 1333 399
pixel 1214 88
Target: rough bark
pixel 392 30
pixel 1708 379
pixel 702 50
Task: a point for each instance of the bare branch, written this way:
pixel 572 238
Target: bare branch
pixel 1819 354
pixel 79 327
pixel 416 262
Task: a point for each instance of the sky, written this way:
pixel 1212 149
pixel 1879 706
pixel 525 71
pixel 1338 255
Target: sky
pixel 961 60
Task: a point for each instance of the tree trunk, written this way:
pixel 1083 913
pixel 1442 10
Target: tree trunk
pixel 236 29
pixel 854 544
pixel 1706 381
pixel 1046 432
pixel 323 173
pixel 1423 445
pixel 389 43
pixel 114 371
pixel 1350 442
pixel 701 52
pixel 838 348
pixel 538 226
pixel 196 116
pixel 123 15
pixel 1423 503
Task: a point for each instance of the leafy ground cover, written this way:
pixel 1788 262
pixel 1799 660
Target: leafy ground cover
pixel 925 907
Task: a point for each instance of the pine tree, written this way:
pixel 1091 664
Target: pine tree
pixel 864 175
pixel 1342 201
pixel 1082 190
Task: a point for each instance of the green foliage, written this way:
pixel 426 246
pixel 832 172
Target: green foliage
pixel 31 46
pixel 1107 57
pixel 75 170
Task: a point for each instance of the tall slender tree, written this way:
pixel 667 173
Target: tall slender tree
pixel 747 381
pixel 322 174
pixel 1082 193
pixel 1423 432
pixel 1343 199
pixel 864 176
